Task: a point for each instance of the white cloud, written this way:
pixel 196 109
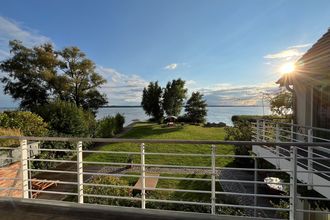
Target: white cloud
pixel 122 89
pixel 227 94
pixel 10 30
pixel 171 66
pixel 292 52
pixel 300 46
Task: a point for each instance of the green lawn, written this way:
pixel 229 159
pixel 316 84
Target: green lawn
pixel 186 132
pixel 155 131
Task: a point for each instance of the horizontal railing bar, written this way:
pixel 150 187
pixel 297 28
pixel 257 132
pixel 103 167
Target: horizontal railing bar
pixel 53 181
pixel 313 198
pixel 111 152
pixel 178 154
pixel 251 194
pixel 110 174
pixel 316 185
pixel 251 207
pixel 112 197
pixel 9 148
pixel 177 166
pixel 108 185
pixel 296 125
pixel 111 163
pixel 56 150
pixel 178 202
pixel 253 169
pixel 313 211
pixel 321 139
pixel 249 156
pixel 10 188
pixel 308 171
pixel 4 178
pixel 53 171
pixel 248 181
pixel 167 141
pixel 53 192
pixel 49 160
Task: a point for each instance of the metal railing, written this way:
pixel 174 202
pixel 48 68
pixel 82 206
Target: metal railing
pixel 206 177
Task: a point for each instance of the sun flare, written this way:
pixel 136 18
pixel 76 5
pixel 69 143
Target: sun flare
pixel 287 68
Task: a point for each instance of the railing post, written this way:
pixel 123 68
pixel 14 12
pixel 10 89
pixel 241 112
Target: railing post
pixel 291 131
pixel 255 189
pixel 293 183
pixel 310 160
pixel 258 130
pixel 24 167
pixel 143 177
pixel 277 140
pixel 213 189
pixel 80 177
pixel 263 130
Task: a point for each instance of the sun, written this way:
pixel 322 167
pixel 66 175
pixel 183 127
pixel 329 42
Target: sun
pixel 287 68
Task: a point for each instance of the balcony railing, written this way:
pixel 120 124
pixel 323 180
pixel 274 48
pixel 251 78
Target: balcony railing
pixel 225 187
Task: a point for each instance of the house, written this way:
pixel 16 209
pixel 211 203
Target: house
pixel 310 83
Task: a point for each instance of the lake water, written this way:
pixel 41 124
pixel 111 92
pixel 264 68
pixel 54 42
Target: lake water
pixel 214 114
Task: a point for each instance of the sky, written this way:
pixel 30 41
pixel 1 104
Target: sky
pixel 230 50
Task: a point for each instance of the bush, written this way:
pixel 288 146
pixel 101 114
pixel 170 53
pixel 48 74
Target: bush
pixel 108 126
pixel 108 191
pixel 119 123
pixel 217 125
pixel 254 118
pixel 66 119
pixel 241 131
pixel 28 123
pixel 9 132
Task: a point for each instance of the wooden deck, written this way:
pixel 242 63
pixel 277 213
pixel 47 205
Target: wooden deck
pixel 151 182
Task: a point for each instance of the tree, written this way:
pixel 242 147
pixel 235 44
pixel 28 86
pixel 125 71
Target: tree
pixel 30 71
pixel 81 79
pixel 196 108
pixel 151 101
pixel 39 75
pixel 173 97
pixel 282 103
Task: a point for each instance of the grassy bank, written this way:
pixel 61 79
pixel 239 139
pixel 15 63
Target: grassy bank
pixel 155 131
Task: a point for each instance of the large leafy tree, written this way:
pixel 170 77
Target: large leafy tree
pixel 82 81
pixel 39 75
pixel 30 73
pixel 174 95
pixel 196 108
pixel 151 101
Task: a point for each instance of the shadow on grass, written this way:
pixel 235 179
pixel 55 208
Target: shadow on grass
pixel 144 131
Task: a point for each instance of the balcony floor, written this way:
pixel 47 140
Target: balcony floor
pixel 17 209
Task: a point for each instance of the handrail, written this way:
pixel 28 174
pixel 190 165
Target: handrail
pixel 166 141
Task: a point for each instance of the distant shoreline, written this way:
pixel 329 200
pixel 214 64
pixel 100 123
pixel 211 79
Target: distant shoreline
pixel 212 106
pixel 138 106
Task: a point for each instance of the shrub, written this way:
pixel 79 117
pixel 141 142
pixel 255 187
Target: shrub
pixel 108 191
pixel 254 118
pixel 241 131
pixel 109 126
pixel 105 127
pixel 66 119
pixel 9 132
pixel 28 123
pixel 119 123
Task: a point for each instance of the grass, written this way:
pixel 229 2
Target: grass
pixel 186 132
pixel 155 131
